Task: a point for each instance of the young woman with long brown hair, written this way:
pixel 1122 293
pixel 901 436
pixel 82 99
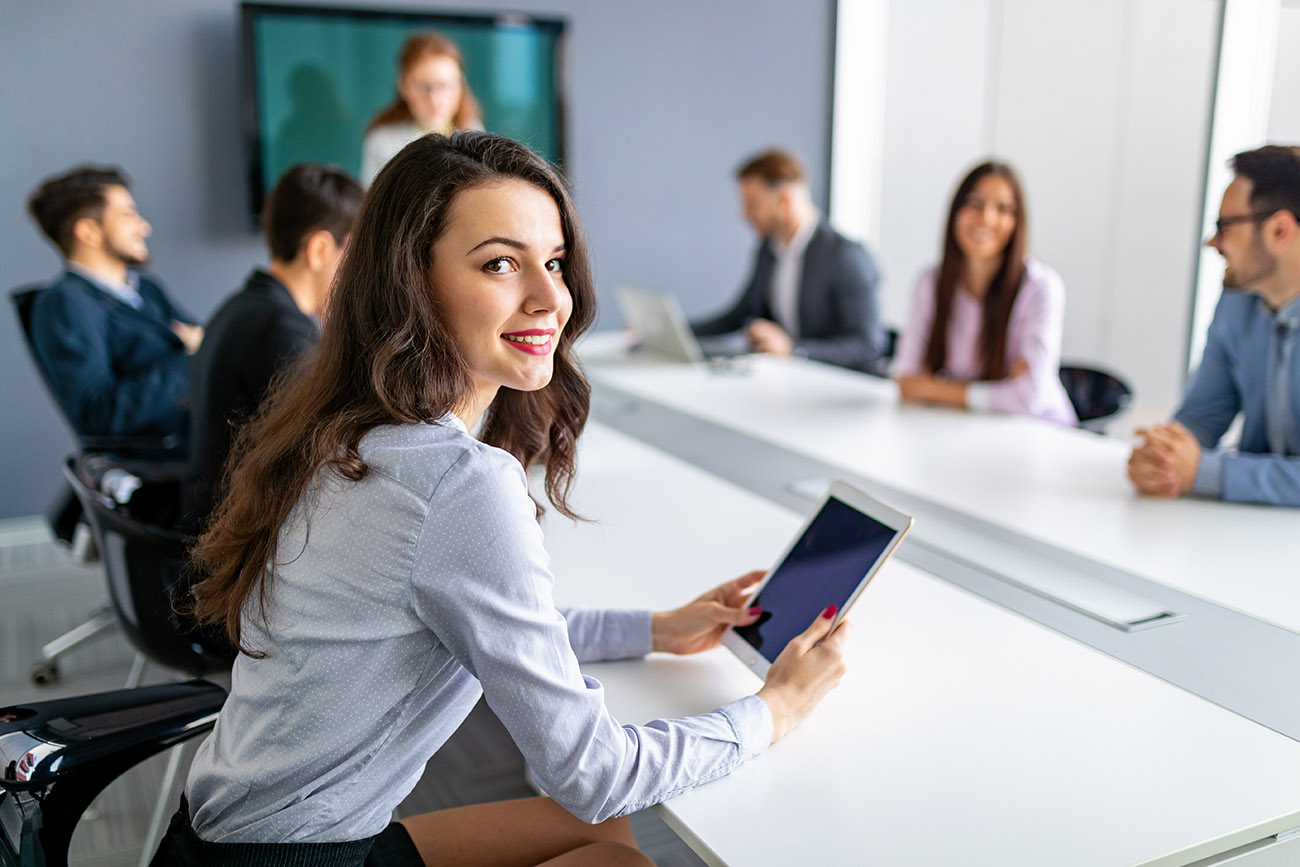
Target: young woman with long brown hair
pixel 432 96
pixel 380 568
pixel 985 327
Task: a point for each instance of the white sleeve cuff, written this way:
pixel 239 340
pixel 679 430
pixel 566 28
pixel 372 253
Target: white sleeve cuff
pixel 979 397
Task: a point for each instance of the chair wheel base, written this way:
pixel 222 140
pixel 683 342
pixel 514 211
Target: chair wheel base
pixel 44 673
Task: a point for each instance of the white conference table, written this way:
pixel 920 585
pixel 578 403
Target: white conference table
pixel 1064 487
pixel 963 734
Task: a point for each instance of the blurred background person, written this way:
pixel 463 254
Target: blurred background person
pixel 432 96
pixel 1250 365
pixel 812 291
pixel 114 348
pixel 270 322
pixel 984 332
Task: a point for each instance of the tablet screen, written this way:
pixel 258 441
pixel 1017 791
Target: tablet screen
pixel 823 568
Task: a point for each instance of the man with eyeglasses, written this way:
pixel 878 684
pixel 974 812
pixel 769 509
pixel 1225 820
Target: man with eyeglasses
pixel 1251 363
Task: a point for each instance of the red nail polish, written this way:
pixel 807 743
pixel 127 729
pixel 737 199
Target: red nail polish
pixel 755 611
pixel 829 613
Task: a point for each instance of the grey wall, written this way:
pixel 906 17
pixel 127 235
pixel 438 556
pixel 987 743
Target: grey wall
pixel 665 98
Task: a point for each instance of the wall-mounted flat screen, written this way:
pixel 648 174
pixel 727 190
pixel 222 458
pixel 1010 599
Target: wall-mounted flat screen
pixel 315 76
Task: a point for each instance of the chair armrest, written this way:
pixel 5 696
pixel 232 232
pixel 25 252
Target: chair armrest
pixel 45 741
pixel 158 448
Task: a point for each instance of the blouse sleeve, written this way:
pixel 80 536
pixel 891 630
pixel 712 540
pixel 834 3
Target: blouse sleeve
pixel 909 355
pixel 482 585
pixel 1034 337
pixel 596 635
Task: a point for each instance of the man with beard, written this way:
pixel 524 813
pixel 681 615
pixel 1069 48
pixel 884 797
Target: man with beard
pixel 1251 363
pixel 112 346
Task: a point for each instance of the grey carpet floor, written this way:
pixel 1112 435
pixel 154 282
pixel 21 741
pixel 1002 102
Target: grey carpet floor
pixel 44 594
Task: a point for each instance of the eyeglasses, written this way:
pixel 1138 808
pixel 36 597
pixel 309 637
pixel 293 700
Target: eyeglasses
pixel 1224 222
pixel 433 88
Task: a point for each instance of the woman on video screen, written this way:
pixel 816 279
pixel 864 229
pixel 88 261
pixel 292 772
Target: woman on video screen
pixel 432 96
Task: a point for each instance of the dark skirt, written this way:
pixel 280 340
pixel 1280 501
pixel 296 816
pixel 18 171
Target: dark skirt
pixel 391 847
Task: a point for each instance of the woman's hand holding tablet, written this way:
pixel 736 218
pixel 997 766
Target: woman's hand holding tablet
pixel 822 572
pixel 810 666
pixel 841 546
pixel 698 626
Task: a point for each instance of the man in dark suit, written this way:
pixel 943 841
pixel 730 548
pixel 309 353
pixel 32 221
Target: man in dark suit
pixel 110 343
pixel 271 322
pixel 812 291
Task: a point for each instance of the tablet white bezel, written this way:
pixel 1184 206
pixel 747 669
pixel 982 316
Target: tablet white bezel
pixel 863 502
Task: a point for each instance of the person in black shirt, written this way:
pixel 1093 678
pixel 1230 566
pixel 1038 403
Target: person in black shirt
pixel 269 323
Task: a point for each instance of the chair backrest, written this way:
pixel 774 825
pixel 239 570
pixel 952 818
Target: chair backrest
pixel 891 342
pixel 147 573
pixel 24 301
pixel 1096 394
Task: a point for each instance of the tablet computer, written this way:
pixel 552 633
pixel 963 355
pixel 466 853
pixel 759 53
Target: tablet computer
pixel 830 561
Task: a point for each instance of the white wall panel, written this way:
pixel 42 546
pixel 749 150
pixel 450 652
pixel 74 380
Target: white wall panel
pixel 1156 209
pixel 1284 111
pixel 1059 86
pixel 935 108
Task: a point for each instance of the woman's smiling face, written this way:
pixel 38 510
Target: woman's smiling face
pixel 987 219
pixel 498 276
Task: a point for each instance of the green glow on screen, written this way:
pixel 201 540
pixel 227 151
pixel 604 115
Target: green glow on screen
pixel 320 80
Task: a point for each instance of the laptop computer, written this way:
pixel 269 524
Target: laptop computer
pixel 662 328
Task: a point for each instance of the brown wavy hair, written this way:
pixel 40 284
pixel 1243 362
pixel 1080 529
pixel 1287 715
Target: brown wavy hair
pixel 1003 291
pixel 386 356
pixel 418 46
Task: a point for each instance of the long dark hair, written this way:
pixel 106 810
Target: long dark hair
pixel 418 46
pixel 1002 291
pixel 387 357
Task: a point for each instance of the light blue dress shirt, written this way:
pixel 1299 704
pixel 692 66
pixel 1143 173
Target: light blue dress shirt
pixel 421 587
pixel 128 292
pixel 1250 366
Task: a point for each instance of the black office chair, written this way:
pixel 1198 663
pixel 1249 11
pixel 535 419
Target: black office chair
pixel 148 576
pixel 146 567
pixel 150 455
pixel 57 756
pixel 1097 396
pixel 891 344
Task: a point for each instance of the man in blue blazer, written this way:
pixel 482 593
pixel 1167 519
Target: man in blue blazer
pixel 1251 363
pixel 812 291
pixel 112 346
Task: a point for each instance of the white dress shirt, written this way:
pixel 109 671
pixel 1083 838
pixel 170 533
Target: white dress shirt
pixel 787 274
